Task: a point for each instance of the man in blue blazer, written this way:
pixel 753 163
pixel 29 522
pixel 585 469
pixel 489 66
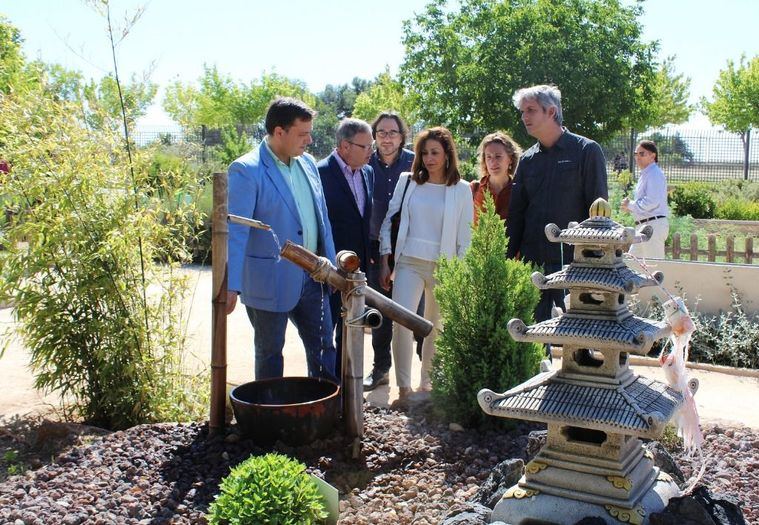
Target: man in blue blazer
pixel 277 183
pixel 348 184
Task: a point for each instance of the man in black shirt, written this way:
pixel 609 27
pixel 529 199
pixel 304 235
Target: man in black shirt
pixel 556 181
pixel 389 160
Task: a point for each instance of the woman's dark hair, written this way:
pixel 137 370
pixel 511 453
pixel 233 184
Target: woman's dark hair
pixel 419 173
pixel 650 145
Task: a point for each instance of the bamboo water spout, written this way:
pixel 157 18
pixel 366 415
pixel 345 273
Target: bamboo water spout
pixel 322 270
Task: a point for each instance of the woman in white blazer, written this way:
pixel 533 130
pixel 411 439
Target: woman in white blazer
pixel 435 219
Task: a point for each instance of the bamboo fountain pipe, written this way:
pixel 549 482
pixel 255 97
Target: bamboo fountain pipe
pixel 322 270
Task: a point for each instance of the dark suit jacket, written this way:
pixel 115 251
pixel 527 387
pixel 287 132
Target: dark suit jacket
pixel 350 230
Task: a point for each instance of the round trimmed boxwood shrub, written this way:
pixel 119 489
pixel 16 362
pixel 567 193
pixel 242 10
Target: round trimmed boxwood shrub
pixel 270 489
pixel 694 199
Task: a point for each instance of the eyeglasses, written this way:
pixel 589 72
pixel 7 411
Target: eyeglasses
pixel 641 153
pixel 392 134
pixel 365 147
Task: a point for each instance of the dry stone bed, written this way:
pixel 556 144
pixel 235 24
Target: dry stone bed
pixel 413 471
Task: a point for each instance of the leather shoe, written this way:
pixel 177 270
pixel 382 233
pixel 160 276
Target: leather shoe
pixel 375 379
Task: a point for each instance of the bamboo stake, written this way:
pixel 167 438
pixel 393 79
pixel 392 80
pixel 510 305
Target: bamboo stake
pixel 219 234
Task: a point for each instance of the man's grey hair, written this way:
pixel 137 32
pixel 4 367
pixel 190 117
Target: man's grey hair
pixel 548 96
pixel 350 127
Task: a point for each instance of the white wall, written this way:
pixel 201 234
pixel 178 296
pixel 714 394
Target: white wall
pixel 708 284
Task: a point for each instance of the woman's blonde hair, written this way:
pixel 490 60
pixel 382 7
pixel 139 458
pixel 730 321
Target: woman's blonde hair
pixel 512 150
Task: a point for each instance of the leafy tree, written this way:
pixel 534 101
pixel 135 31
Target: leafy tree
pixel 334 104
pixel 103 104
pixel 735 104
pixel 80 284
pixel 475 350
pixel 341 99
pixel 668 101
pixel 11 57
pixel 385 94
pixel 672 148
pixel 465 64
pixel 220 102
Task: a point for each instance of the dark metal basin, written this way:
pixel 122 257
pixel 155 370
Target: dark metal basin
pixel 295 410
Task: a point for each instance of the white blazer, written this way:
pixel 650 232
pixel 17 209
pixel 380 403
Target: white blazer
pixel 457 218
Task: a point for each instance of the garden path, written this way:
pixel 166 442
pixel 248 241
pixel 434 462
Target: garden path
pixel 721 398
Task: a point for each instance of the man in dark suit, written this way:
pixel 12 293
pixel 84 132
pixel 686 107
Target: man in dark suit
pixel 348 184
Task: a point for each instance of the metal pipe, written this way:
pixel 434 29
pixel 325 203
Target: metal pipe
pixel 353 356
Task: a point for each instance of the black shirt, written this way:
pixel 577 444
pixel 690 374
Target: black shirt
pixel 553 185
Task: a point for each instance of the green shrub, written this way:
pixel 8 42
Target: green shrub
pixel 694 199
pixel 102 321
pixel 233 145
pixel 625 180
pixel 478 295
pixel 469 170
pixel 738 210
pixel 730 339
pixel 736 189
pixel 267 489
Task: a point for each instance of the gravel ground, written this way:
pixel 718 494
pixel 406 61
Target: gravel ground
pixel 412 471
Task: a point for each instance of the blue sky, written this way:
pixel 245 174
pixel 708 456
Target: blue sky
pixel 324 41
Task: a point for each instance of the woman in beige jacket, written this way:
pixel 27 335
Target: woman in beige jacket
pixel 435 219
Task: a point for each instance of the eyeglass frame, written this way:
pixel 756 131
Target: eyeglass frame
pixel 368 147
pixel 393 133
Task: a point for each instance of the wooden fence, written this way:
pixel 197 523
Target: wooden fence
pixel 745 254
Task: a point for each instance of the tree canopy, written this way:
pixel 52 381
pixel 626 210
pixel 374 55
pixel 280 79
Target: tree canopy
pixel 387 93
pixel 466 64
pixel 220 102
pixel 735 97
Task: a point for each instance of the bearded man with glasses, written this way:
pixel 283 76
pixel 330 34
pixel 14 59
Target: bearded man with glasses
pixel 388 161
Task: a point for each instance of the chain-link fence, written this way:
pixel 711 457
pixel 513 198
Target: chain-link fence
pixel 684 155
pixel 690 155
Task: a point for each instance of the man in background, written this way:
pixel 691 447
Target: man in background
pixel 388 161
pixel 556 181
pixel 348 184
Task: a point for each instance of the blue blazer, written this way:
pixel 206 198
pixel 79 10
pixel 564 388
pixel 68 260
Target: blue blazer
pixel 258 190
pixel 350 230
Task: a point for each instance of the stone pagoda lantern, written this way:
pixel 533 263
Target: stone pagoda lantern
pixel 593 463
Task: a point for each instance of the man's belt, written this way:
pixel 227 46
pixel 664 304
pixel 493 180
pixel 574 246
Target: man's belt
pixel 651 219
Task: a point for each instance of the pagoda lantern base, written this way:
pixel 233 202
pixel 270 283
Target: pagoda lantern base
pixel 521 505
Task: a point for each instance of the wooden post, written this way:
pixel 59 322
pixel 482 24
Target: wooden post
pixel 693 247
pixel 729 249
pixel 219 234
pixel 749 250
pixel 676 245
pixel 311 262
pixel 712 242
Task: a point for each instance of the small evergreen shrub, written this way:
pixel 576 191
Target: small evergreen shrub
pixel 738 210
pixel 478 296
pixel 271 489
pixel 694 199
